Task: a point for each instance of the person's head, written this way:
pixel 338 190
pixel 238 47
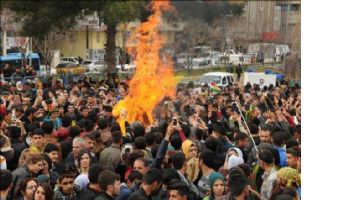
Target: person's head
pixel 46 163
pixel 266 158
pixel 84 159
pixel 137 129
pixel 15 132
pixel 131 157
pixel 74 131
pixel 43 192
pixel 89 125
pixel 265 135
pixel 179 161
pixel 178 191
pixel 141 165
pixel 288 176
pixel 6 180
pixel 102 123
pixel 52 151
pixel 48 127
pixel 34 163
pixel 94 172
pixel 140 142
pixel 206 159
pixel 175 141
pixel 66 182
pixel 238 184
pixel 242 140
pixel 217 184
pixel 218 130
pixel 66 121
pixel 26 188
pixel 278 138
pixel 212 143
pixel 293 157
pixel 110 183
pixel 37 137
pixel 152 181
pixel 85 111
pixel 116 137
pixel 149 137
pixel 135 177
pixel 90 140
pixel 78 144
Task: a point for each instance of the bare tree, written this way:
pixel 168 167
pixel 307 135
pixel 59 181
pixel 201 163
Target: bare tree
pixel 46 46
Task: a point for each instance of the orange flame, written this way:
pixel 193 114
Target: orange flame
pixel 154 77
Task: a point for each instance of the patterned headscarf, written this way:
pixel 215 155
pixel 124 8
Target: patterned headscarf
pixel 290 175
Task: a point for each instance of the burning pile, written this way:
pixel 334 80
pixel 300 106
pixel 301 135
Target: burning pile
pixel 153 79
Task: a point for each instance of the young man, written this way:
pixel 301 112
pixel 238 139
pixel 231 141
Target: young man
pixel 294 158
pixel 206 164
pixel 238 184
pixel 178 191
pixel 37 142
pixel 31 168
pixel 110 185
pixel 266 160
pixel 5 183
pixel 278 139
pixel 66 191
pixel 111 156
pixel 150 187
pixel 133 183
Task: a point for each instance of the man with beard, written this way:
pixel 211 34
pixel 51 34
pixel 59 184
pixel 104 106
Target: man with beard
pixel 110 185
pixel 151 186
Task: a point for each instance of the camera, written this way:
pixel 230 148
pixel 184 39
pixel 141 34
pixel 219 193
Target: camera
pixel 174 121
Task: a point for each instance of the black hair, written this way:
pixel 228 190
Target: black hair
pixel 88 125
pixel 66 121
pixel 137 129
pixel 178 160
pixel 200 134
pixel 48 127
pixel 116 137
pixel 208 156
pixel 50 147
pixel 107 178
pixel 246 169
pixel 48 192
pixel 153 175
pixel 237 182
pixel 38 131
pixel 135 175
pixel 291 143
pixel 115 127
pixel 6 179
pixel 278 138
pixel 140 142
pixel 15 132
pixel 169 175
pixel 48 159
pixel 294 151
pixel 175 141
pixel 149 138
pixel 267 156
pixel 211 143
pixel 180 187
pixel 241 136
pixel 74 131
pixel 219 128
pixel 102 123
pixel 186 130
pixel 94 172
pixel 81 153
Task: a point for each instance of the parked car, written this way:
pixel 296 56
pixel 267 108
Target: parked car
pixel 95 65
pixel 65 68
pixel 222 79
pixel 72 60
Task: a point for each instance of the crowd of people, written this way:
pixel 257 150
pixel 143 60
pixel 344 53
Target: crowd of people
pixel 61 142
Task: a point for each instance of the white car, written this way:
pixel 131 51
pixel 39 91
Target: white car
pixel 222 79
pixel 95 65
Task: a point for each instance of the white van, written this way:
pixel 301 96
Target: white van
pixel 222 79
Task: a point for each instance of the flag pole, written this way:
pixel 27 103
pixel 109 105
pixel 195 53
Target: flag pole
pixel 247 127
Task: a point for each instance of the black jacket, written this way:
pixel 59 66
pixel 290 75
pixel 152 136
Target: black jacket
pixel 104 196
pixel 88 194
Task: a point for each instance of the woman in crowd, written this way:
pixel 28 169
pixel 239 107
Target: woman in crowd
pixel 43 192
pixel 26 189
pixel 84 162
pixel 217 186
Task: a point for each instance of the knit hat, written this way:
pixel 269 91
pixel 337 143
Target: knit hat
pixel 234 161
pixel 214 176
pixel 290 175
